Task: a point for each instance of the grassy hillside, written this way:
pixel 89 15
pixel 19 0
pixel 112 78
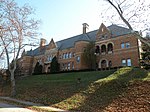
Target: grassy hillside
pixel 126 88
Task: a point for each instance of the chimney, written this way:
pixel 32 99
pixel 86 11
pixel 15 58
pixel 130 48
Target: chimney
pixel 85 26
pixel 42 42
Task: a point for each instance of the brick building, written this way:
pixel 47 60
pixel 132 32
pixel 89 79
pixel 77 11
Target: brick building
pixel 115 46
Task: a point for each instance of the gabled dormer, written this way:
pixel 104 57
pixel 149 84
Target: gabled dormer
pixel 51 45
pixel 103 33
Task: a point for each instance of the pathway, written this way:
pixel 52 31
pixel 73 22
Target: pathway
pixel 40 106
pixel 4 107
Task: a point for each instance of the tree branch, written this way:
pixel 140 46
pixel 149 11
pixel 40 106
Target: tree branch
pixel 120 14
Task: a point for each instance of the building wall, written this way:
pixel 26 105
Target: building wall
pixel 79 47
pixel 70 58
pixel 64 60
pixel 26 65
pixel 74 60
pixel 119 53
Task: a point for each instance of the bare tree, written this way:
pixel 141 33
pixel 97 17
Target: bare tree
pixel 133 13
pixel 88 55
pixel 18 29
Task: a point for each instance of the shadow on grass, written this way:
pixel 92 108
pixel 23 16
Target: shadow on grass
pixel 56 88
pixel 102 92
pixel 93 93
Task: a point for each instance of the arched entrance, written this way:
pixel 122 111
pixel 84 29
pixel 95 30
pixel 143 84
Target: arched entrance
pixel 103 63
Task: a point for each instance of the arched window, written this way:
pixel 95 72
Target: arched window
pixel 63 55
pixel 122 45
pixel 67 55
pixel 110 48
pixel 97 50
pixel 70 55
pixel 103 49
pixel 72 65
pixel 78 59
pixel 69 66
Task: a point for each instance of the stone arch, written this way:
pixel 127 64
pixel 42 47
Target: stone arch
pixel 103 63
pixel 103 48
pixel 103 44
pixel 110 43
pixel 97 49
pixel 110 47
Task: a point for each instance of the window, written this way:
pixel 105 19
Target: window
pixel 122 45
pixel 70 55
pixel 102 29
pixel 49 58
pixel 103 36
pixel 103 49
pixel 67 55
pixel 97 50
pixel 127 45
pixel 65 66
pixel 63 55
pixel 110 64
pixel 123 62
pixel 69 66
pixel 40 61
pixel 78 59
pixel 128 62
pixel 110 48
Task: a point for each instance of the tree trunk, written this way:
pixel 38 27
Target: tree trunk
pixel 13 84
pixel 12 69
pixel 1 87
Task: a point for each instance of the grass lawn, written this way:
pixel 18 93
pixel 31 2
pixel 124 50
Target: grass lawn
pixel 54 88
pixel 96 91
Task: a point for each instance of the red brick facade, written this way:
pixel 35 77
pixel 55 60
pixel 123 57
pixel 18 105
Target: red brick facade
pixel 113 50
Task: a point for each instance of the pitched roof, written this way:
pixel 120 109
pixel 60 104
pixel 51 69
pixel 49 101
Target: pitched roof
pixel 69 42
pixel 118 30
pixel 36 52
pixel 90 36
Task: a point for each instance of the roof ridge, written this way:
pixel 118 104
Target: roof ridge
pixel 89 36
pixel 118 26
pixel 76 35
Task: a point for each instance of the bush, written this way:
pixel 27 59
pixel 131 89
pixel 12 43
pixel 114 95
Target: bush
pixel 38 69
pixel 55 66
